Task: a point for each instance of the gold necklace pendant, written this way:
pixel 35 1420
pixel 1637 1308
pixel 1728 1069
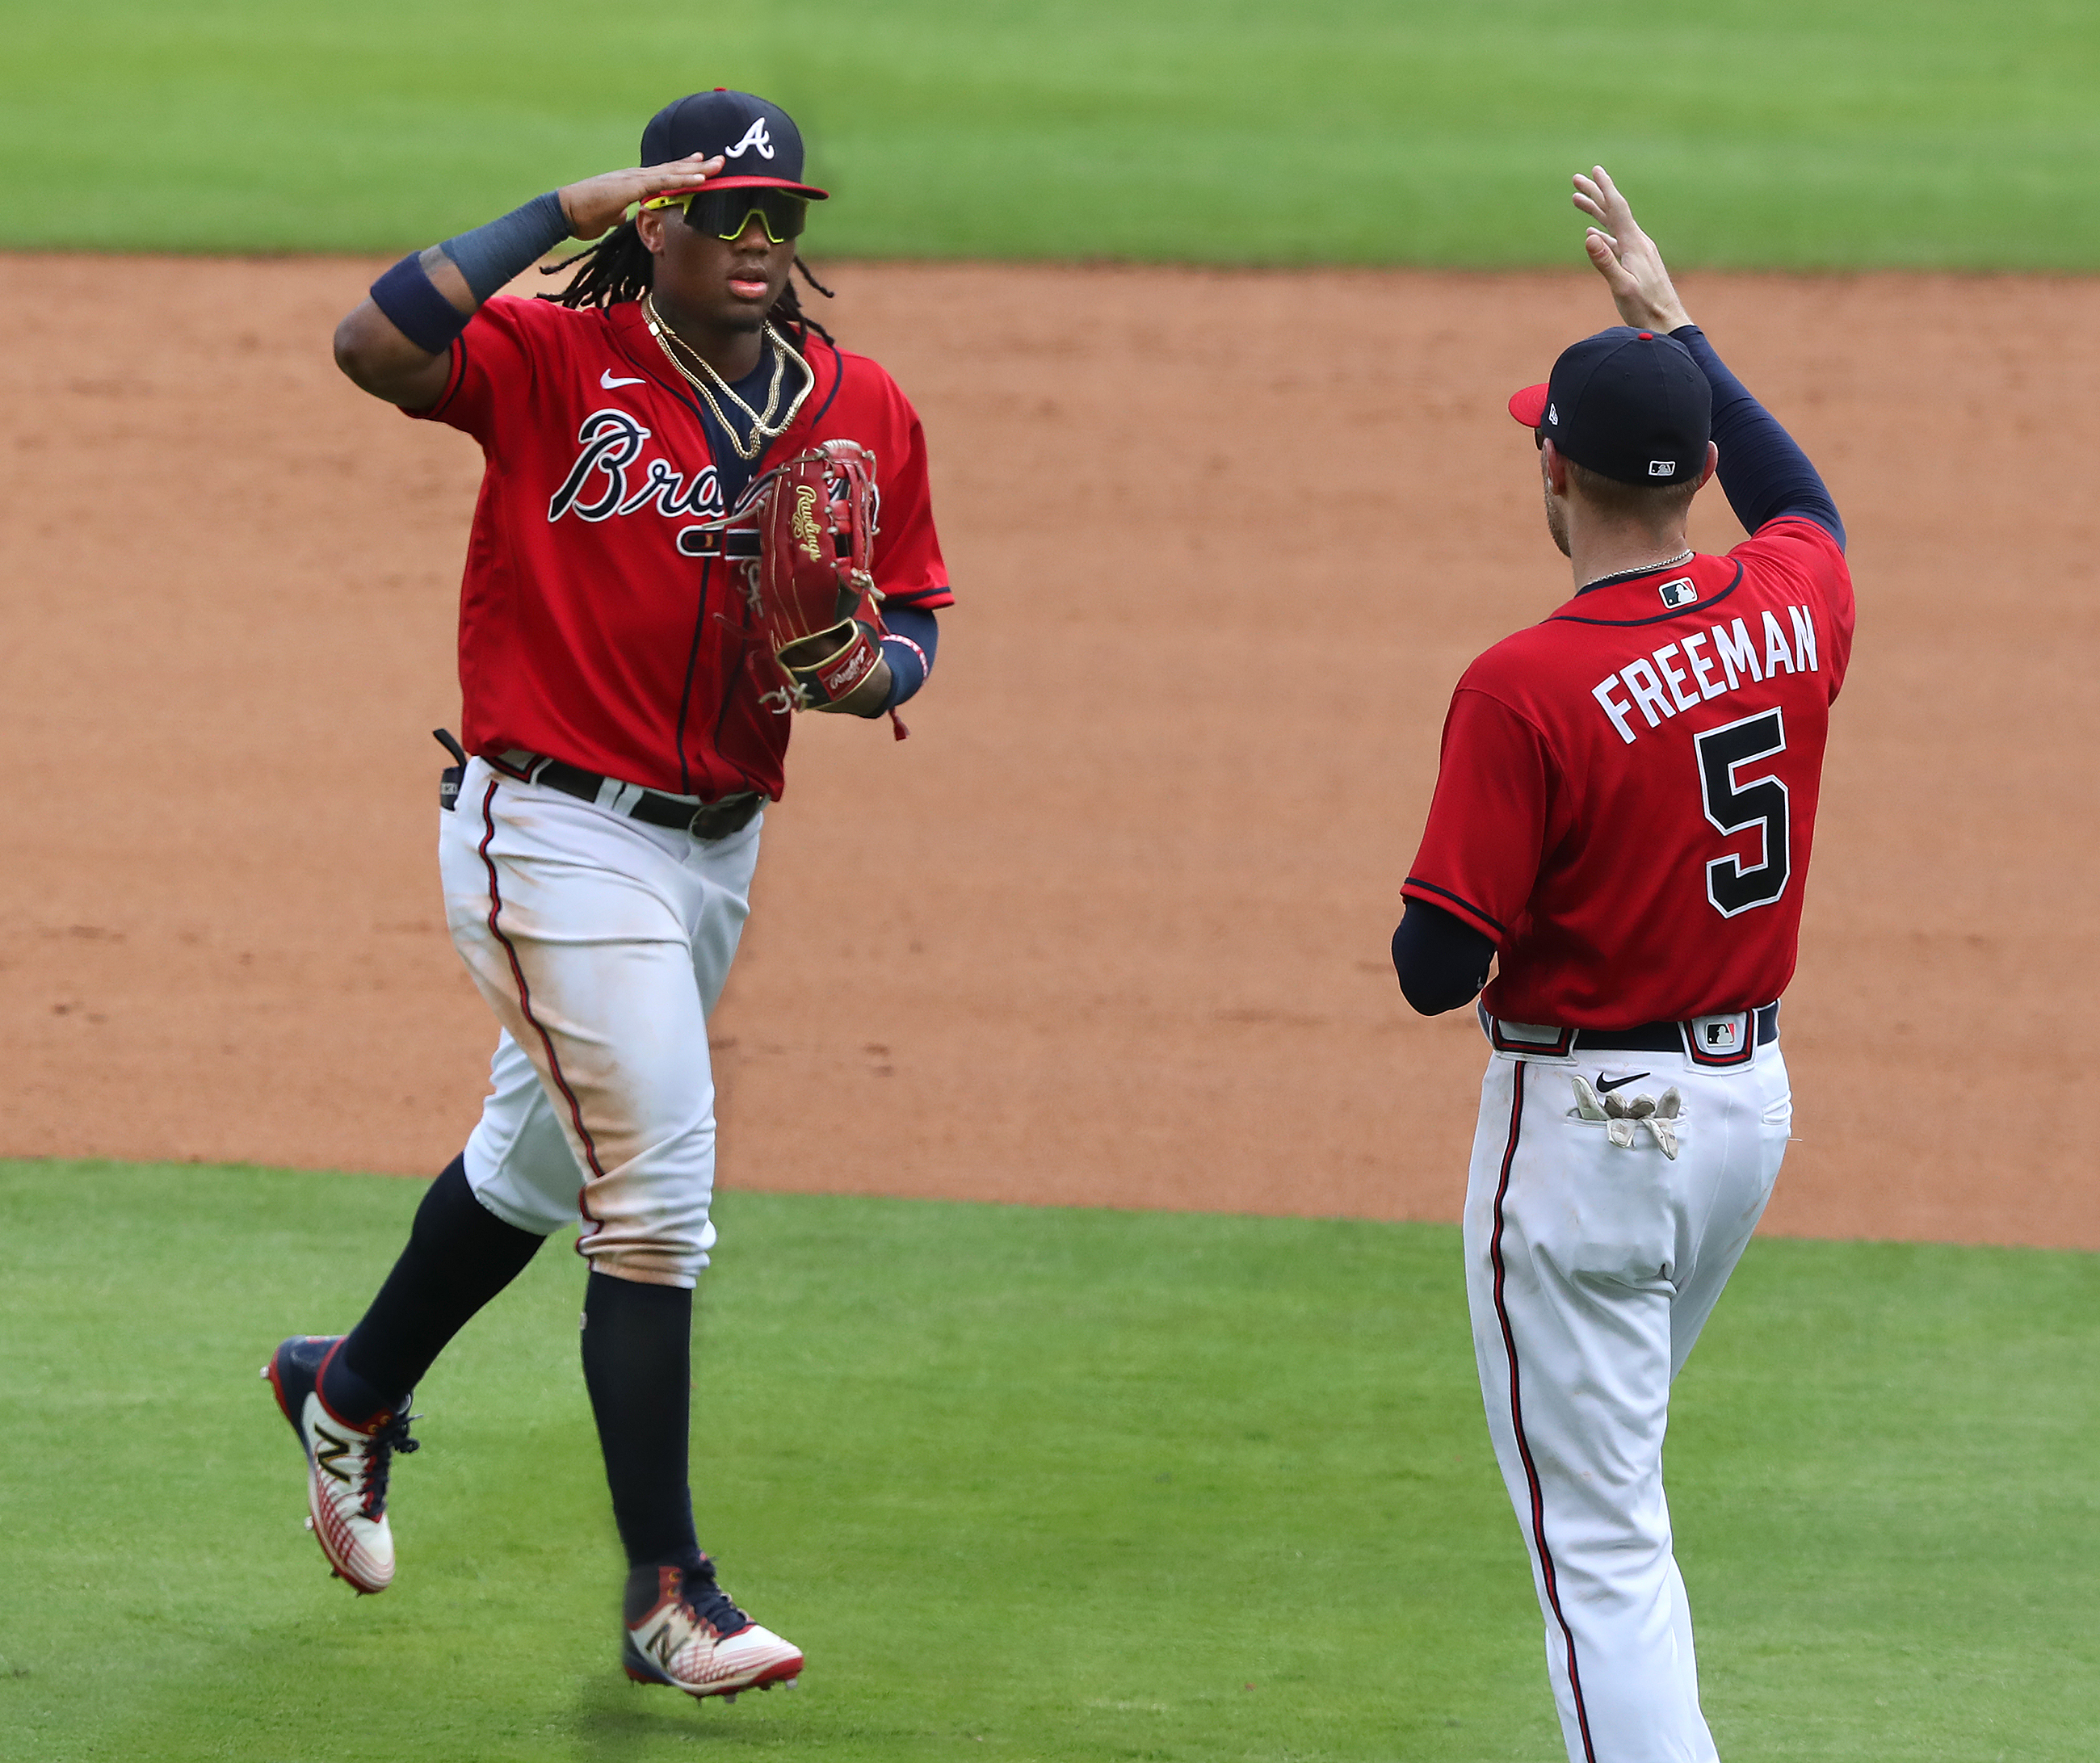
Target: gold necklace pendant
pixel 763 426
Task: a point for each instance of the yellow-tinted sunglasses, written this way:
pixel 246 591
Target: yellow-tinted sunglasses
pixel 724 214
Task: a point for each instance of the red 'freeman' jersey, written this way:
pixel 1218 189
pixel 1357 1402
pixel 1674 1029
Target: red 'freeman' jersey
pixel 585 634
pixel 1626 798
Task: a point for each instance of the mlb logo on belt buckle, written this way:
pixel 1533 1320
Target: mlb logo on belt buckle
pixel 1720 1040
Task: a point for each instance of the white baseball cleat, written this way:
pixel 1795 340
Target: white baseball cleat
pixel 347 1465
pixel 693 1638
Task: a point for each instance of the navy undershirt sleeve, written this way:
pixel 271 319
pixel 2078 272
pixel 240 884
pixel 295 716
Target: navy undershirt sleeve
pixel 1764 474
pixel 1441 960
pixel 907 671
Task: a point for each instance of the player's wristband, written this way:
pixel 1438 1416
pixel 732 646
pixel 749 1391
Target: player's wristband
pixel 908 668
pixel 908 646
pixel 509 245
pixel 410 299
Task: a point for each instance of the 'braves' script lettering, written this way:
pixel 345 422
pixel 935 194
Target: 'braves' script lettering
pixel 603 482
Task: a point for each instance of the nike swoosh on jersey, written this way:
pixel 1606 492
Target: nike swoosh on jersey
pixel 1606 1089
pixel 608 380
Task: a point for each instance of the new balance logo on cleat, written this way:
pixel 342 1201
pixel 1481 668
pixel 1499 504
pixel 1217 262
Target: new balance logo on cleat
pixel 328 1457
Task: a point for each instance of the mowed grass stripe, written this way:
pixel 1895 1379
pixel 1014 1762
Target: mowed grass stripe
pixel 1027 1485
pixel 1756 133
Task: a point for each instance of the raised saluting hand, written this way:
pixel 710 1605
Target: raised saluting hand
pixel 1626 257
pixel 600 203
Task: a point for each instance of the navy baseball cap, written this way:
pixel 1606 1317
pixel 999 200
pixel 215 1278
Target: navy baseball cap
pixel 761 146
pixel 1630 405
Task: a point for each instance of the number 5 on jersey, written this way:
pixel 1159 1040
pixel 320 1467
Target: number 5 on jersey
pixel 1734 806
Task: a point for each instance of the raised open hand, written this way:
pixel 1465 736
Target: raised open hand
pixel 600 202
pixel 1626 257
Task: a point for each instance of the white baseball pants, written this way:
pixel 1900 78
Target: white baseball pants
pixel 1590 1269
pixel 602 945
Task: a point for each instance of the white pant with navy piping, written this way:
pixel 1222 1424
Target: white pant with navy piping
pixel 602 943
pixel 1590 1271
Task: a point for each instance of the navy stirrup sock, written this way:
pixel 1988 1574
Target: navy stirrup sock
pixel 459 1255
pixel 637 1345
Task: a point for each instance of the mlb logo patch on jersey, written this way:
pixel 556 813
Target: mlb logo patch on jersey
pixel 1723 1040
pixel 1679 593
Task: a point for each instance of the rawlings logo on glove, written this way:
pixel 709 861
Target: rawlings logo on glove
pixel 807 533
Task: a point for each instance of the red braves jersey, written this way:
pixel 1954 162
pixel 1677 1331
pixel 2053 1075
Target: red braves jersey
pixel 585 634
pixel 1626 798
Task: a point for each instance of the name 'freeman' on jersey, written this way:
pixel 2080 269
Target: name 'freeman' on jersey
pixel 1657 688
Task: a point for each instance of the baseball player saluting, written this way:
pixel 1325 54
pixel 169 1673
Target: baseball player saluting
pixel 626 722
pixel 1622 823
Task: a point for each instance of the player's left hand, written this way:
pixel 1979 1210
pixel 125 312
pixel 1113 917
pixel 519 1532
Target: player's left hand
pixel 601 202
pixel 1626 257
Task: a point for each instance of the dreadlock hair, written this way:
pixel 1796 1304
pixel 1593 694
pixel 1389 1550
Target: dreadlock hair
pixel 620 267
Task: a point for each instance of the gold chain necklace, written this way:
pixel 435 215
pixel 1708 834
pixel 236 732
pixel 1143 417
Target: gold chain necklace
pixel 763 426
pixel 1654 569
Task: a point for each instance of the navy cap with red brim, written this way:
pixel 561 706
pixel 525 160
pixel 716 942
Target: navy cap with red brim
pixel 1630 405
pixel 740 128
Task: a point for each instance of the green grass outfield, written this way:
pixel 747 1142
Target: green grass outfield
pixel 1757 133
pixel 1026 1485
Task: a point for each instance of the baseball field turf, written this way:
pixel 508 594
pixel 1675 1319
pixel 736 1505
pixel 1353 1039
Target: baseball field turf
pixel 1768 133
pixel 1026 1485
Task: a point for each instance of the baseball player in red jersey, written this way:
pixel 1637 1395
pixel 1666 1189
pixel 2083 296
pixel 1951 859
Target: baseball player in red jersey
pixel 625 726
pixel 1622 823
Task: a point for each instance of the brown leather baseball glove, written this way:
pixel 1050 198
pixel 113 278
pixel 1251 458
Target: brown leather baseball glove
pixel 811 596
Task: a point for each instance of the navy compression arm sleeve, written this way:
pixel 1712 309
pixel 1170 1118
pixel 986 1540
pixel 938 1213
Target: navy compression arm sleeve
pixel 1441 960
pixel 488 258
pixel 509 245
pixel 1764 474
pixel 914 636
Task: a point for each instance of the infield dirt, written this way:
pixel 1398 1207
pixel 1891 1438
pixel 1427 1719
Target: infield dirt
pixel 1110 929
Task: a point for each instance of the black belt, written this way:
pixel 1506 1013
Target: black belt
pixel 1705 1040
pixel 704 820
pixel 740 544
